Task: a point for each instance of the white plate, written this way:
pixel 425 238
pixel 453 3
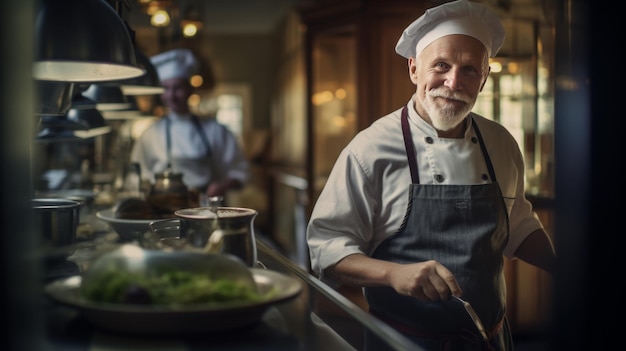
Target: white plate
pixel 153 320
pixel 127 229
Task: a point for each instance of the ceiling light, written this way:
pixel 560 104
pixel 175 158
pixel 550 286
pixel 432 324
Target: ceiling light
pixel 82 41
pixel 190 27
pixel 160 18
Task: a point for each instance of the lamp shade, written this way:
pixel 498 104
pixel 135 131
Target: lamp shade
pixel 107 97
pixel 53 98
pixel 132 112
pixel 147 84
pixel 82 41
pixel 77 124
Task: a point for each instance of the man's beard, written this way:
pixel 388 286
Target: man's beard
pixel 446 115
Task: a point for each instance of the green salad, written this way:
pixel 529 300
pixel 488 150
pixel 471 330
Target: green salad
pixel 166 287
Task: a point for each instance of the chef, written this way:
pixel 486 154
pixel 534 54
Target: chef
pixel 203 150
pixel 420 207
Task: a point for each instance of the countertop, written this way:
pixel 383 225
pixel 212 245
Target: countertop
pixel 319 318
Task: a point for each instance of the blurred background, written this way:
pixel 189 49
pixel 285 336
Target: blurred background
pixel 295 80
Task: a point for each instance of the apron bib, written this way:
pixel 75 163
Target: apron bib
pixel 191 168
pixel 465 228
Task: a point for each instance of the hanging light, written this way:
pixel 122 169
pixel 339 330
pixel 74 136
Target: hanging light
pixel 191 23
pixel 82 41
pixel 53 98
pixel 190 27
pixel 107 96
pixel 82 121
pixel 148 84
pixel 160 18
pixel 131 112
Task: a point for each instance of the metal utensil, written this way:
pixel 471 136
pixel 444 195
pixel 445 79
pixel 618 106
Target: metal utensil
pixel 479 324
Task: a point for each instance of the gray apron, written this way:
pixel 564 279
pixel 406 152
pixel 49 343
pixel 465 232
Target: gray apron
pixel 465 228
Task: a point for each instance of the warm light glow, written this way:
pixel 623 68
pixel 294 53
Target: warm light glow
pixel 190 30
pixel 496 67
pixel 340 121
pixel 194 100
pixel 160 19
pixel 322 97
pixel 513 67
pixel 341 94
pixel 152 8
pixel 196 80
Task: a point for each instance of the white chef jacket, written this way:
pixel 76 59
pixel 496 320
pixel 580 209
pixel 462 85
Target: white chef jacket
pixel 365 198
pixel 227 159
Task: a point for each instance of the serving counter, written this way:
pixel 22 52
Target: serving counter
pixel 318 318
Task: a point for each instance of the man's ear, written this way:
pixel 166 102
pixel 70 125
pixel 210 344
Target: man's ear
pixel 412 69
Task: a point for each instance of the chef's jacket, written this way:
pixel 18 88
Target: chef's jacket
pixel 224 160
pixel 365 199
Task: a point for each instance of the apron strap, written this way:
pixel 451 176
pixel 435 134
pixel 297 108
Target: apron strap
pixel 168 139
pixel 409 146
pixel 203 136
pixel 168 142
pixel 492 173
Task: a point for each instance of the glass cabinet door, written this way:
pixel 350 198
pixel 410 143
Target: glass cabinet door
pixel 333 99
pixel 519 95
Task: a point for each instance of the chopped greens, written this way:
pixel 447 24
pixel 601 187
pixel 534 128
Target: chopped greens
pixel 169 287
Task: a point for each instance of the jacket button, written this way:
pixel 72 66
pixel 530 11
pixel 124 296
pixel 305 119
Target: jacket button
pixel 474 140
pixel 484 176
pixel 429 140
pixel 439 178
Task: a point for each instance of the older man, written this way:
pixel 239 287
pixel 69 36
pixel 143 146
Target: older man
pixel 421 207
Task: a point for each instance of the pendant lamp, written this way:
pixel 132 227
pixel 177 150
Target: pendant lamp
pixel 53 98
pixel 82 41
pixel 107 96
pixel 82 121
pixel 147 84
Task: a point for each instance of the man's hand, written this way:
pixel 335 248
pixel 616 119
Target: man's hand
pixel 426 281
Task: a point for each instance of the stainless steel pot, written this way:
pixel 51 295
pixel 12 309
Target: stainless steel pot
pixel 58 219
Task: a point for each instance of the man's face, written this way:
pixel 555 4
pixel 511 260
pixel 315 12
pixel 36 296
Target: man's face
pixel 176 94
pixel 448 74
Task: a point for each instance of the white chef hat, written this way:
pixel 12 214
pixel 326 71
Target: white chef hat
pixel 176 63
pixel 456 17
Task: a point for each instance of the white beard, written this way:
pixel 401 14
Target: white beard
pixel 445 116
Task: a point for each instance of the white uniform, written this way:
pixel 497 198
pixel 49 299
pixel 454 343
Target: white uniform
pixel 189 154
pixel 365 197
